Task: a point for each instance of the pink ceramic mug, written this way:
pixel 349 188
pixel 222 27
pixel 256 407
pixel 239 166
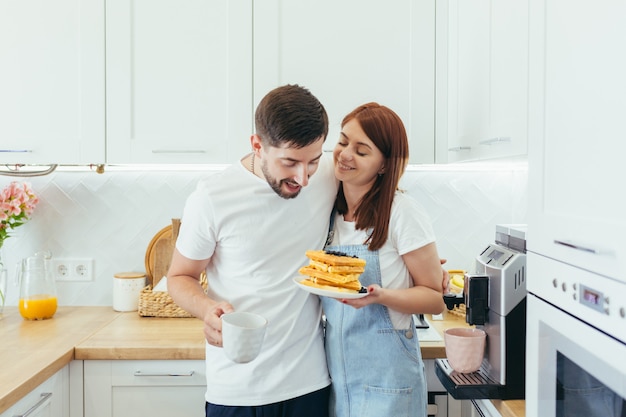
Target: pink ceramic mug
pixel 465 348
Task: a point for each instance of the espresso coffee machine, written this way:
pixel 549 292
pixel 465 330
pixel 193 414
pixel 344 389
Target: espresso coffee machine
pixel 495 301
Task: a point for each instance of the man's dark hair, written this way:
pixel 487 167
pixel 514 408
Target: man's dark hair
pixel 290 114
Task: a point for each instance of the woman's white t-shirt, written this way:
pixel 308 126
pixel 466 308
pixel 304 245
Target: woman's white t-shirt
pixel 409 229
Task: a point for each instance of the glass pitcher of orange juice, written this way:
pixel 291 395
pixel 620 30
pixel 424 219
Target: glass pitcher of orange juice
pixel 38 297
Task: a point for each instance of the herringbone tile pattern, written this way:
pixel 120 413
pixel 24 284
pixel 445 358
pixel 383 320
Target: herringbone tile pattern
pixel 112 217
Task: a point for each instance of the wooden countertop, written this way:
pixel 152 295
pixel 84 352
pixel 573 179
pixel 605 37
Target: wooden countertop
pixel 434 350
pixel 510 408
pixel 32 351
pixel 130 336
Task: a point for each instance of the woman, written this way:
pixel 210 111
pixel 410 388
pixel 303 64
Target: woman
pixel 371 345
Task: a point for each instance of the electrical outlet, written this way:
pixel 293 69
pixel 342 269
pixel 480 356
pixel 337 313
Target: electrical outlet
pixel 73 269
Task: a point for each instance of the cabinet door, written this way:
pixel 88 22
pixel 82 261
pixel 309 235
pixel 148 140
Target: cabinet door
pixel 159 388
pixel 51 81
pixel 50 399
pixel 507 134
pixel 467 101
pixel 179 80
pixel 351 52
pixel 577 132
pixel 483 79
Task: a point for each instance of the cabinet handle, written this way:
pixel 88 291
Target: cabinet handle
pixel 45 397
pixel 15 150
pixel 16 173
pixel 140 373
pixel 178 151
pixel 493 141
pixel 460 148
pixel 577 247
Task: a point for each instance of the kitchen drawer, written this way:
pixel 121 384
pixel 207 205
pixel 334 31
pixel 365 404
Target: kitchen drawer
pixel 49 399
pixel 130 388
pixel 158 373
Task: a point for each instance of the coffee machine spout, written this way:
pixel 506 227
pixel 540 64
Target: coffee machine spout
pixel 476 294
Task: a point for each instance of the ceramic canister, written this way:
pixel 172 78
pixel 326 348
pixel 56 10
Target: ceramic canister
pixel 127 287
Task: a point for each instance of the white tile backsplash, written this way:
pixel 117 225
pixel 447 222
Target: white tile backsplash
pixel 112 217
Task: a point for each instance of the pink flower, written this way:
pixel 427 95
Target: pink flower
pixel 17 202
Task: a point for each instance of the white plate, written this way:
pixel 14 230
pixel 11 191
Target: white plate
pixel 327 293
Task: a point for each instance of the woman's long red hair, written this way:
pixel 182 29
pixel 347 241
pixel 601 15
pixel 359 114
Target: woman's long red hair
pixel 385 128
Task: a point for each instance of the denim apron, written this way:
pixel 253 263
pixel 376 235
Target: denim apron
pixel 376 370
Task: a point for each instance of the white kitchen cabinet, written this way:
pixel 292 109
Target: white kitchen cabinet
pixel 52 81
pixel 440 403
pixel 482 80
pixel 49 399
pixel 577 134
pixel 130 388
pixel 351 52
pixel 479 408
pixel 179 81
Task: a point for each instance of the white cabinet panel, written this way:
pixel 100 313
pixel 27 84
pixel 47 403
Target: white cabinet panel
pixel 351 52
pixel 144 388
pixel 577 146
pixel 52 81
pixel 179 80
pixel 482 79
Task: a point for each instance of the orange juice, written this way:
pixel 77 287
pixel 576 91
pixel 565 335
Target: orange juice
pixel 38 307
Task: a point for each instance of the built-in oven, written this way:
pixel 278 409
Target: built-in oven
pixel 576 342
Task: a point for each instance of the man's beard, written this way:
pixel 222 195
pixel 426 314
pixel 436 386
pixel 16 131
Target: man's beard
pixel 276 185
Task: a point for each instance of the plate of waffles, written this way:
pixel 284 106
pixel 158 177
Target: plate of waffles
pixel 306 284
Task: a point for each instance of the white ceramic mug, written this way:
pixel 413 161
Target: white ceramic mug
pixel 242 335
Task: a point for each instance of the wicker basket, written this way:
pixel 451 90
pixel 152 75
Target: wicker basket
pixel 458 310
pixel 160 304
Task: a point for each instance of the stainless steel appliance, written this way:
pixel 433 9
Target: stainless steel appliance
pixel 495 300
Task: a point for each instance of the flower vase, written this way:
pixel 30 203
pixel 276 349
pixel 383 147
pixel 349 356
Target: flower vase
pixel 3 283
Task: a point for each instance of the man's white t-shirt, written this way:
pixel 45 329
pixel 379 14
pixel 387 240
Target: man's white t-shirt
pixel 257 242
pixel 409 229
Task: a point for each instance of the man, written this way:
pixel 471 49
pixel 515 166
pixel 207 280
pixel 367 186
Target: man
pixel 249 227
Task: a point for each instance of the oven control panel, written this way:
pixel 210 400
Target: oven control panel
pixel 590 297
pixel 593 298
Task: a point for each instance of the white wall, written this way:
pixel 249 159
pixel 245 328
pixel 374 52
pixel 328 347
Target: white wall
pixel 112 217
